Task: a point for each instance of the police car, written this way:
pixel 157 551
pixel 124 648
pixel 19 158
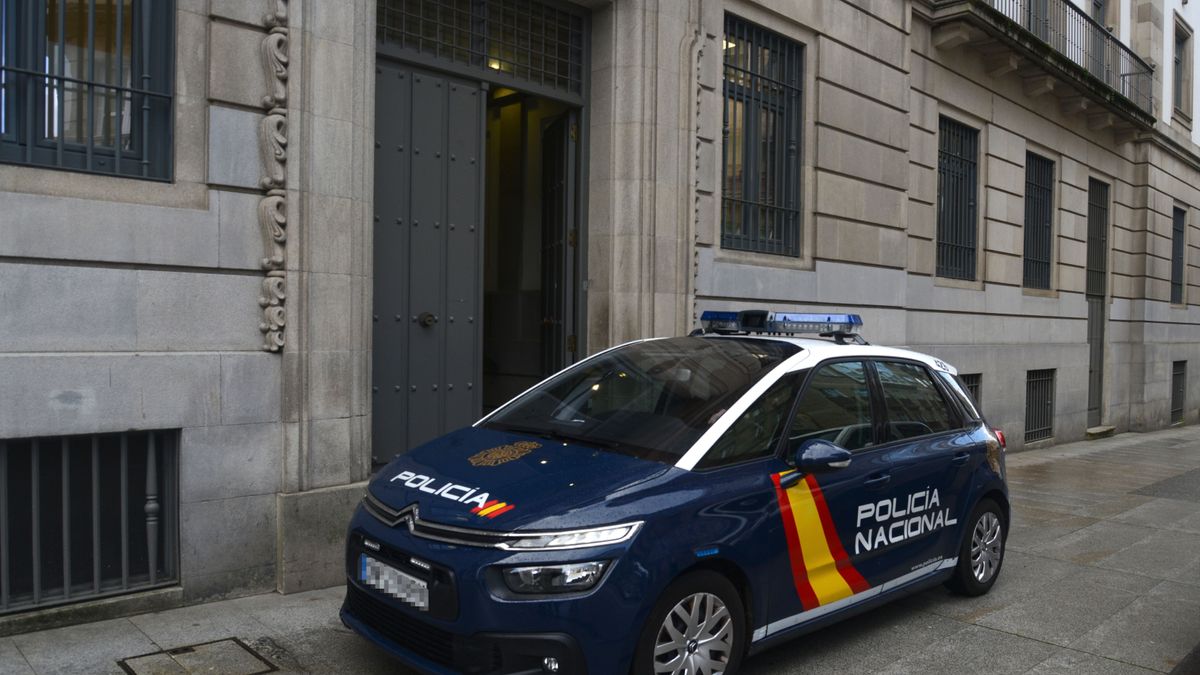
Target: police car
pixel 675 505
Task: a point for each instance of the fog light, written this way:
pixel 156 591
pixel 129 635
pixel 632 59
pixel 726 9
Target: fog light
pixel 550 664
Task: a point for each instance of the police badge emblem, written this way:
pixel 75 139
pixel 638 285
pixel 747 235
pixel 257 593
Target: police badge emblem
pixel 503 454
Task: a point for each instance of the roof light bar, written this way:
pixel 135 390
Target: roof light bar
pixel 785 323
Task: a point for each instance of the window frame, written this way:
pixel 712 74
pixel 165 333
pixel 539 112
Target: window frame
pixel 1181 77
pixel 788 171
pixel 151 101
pixel 970 208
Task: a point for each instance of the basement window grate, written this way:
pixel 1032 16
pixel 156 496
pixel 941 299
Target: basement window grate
pixel 1178 390
pixel 1039 405
pixel 84 517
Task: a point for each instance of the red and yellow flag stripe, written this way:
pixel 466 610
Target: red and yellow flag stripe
pixel 493 508
pixel 820 567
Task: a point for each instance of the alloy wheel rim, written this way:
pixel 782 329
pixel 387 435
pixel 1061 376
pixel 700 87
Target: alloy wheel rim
pixel 695 638
pixel 986 547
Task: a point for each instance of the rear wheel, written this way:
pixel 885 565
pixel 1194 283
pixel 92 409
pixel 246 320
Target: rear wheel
pixel 982 551
pixel 697 627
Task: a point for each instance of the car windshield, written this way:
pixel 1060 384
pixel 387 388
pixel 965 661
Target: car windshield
pixel 650 399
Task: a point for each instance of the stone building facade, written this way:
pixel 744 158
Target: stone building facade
pixel 256 309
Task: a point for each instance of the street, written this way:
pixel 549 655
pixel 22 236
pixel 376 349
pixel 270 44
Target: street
pixel 1102 576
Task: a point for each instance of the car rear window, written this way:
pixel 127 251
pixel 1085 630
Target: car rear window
pixel 650 399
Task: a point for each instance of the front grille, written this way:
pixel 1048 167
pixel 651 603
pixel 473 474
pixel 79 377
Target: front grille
pixel 420 638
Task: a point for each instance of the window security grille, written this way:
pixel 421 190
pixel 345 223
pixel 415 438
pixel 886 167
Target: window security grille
pixel 1178 227
pixel 762 138
pixel 1039 405
pixel 974 384
pixel 1097 248
pixel 1178 390
pixel 1039 214
pixel 531 41
pixel 87 85
pixel 83 517
pixel 957 215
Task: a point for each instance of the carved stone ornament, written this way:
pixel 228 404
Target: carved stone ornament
pixel 274 292
pixel 273 130
pixel 275 61
pixel 278 16
pixel 272 219
pixel 272 208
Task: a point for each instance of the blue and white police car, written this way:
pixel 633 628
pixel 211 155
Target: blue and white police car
pixel 675 505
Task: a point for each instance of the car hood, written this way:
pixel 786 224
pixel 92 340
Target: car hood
pixel 501 481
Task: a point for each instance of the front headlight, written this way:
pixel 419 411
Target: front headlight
pixel 570 578
pixel 575 539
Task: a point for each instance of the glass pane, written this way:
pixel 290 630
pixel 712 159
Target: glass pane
pixel 88 45
pixel 756 433
pixel 651 399
pixel 836 407
pixel 914 405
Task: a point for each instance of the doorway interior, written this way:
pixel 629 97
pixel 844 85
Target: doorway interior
pixel 530 242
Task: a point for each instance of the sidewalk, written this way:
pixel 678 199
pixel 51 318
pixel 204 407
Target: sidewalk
pixel 1102 576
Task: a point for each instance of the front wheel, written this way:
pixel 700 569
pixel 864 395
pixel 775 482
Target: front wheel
pixel 982 551
pixel 697 627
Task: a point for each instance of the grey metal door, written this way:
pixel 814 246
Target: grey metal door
pixel 427 274
pixel 1097 274
pixel 559 239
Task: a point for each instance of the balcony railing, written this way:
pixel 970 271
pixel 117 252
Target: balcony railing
pixel 1075 35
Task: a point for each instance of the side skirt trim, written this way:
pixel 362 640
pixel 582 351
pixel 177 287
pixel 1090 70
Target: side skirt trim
pixel 818 612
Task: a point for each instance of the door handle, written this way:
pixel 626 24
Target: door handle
pixel 877 481
pixel 427 319
pixel 960 458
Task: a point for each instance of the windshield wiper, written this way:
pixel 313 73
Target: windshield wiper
pixel 554 434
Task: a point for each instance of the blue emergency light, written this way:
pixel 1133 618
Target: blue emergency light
pixel 780 323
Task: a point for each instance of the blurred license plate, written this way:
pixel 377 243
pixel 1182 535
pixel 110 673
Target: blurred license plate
pixel 393 582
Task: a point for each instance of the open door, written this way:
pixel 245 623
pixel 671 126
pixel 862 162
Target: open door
pixel 560 235
pixel 427 257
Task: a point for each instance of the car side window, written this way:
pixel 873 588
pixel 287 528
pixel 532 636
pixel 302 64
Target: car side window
pixel 956 387
pixel 835 407
pixel 756 433
pixel 915 407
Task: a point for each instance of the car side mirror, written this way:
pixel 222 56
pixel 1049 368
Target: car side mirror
pixel 815 456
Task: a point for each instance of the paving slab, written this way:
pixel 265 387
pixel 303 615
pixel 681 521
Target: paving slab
pixel 974 649
pixel 1070 662
pixel 1153 632
pixel 88 648
pixel 11 659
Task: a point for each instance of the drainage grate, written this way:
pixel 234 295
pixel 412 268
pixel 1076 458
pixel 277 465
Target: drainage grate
pixel 230 656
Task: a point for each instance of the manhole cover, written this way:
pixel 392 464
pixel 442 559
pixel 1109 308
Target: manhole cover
pixel 228 657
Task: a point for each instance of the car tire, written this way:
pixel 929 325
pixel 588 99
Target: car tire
pixel 981 553
pixel 704 594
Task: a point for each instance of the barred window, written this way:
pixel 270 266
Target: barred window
pixel 86 85
pixel 761 182
pixel 1178 227
pixel 535 43
pixel 1039 214
pixel 957 209
pixel 1039 405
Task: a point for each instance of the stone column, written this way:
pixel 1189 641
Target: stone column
pixel 640 167
pixel 1147 37
pixel 326 339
